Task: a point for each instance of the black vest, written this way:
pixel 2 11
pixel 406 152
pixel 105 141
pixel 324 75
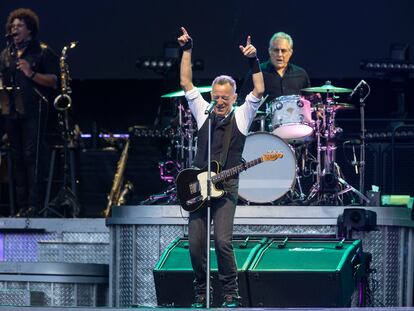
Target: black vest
pixel 218 129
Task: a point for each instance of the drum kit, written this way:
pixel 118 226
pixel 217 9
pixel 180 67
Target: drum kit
pixel 292 124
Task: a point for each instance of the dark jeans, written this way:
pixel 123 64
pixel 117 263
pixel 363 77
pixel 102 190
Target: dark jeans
pixel 222 214
pixel 26 150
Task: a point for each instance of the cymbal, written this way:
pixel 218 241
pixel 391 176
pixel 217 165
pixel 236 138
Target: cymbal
pixel 327 88
pixel 202 89
pixel 337 106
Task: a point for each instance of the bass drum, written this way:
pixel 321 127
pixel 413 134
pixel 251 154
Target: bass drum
pixel 270 180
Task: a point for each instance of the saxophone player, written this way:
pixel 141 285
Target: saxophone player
pixel 30 70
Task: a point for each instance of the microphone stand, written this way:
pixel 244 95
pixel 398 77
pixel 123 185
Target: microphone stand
pixel 362 148
pixel 208 111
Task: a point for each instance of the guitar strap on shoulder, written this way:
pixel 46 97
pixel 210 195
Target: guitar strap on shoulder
pixel 226 141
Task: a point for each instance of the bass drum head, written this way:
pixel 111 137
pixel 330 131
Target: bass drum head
pixel 270 180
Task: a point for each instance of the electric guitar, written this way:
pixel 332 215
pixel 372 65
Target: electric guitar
pixel 192 182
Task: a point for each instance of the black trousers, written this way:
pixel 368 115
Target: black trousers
pixel 222 214
pixel 27 151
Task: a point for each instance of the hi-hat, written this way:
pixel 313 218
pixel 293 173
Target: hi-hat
pixel 202 89
pixel 327 88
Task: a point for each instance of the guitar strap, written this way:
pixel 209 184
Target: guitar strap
pixel 226 141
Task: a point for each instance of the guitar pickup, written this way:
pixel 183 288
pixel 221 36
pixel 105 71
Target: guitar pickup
pixel 194 187
pixel 194 200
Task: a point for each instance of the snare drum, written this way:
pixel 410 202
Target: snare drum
pixel 268 181
pixel 291 117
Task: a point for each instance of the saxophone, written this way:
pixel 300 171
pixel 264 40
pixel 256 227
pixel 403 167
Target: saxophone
pixel 117 196
pixel 63 101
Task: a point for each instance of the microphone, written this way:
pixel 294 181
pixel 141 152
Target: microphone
pixel 10 35
pixel 359 85
pixel 210 107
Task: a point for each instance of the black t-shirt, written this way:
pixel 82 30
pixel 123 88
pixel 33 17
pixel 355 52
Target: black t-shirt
pixel 294 79
pixel 41 59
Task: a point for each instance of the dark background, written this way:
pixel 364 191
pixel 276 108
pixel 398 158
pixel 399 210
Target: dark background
pixel 111 94
pixel 330 37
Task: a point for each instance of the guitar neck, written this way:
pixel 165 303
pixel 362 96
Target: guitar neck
pixel 235 170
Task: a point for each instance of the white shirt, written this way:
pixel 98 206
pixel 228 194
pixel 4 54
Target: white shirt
pixel 244 114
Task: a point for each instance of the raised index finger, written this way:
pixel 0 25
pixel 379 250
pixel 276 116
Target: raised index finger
pixel 184 31
pixel 249 40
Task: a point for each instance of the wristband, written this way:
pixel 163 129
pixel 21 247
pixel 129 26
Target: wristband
pixel 254 65
pixel 188 45
pixel 32 75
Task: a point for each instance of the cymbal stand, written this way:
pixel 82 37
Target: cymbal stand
pixel 315 189
pixel 329 178
pixel 189 135
pixel 185 144
pixel 181 133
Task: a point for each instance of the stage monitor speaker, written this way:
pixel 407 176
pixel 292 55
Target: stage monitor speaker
pixel 173 274
pixel 359 219
pixel 305 273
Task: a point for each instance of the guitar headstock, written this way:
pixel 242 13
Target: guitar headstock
pixel 272 156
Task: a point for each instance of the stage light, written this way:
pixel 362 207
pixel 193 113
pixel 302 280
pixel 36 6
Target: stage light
pixel 398 61
pixel 387 65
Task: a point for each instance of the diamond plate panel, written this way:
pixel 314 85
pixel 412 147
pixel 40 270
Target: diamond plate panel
pixel 151 240
pixel 15 297
pixel 86 253
pixel 145 280
pixel 384 245
pixel 147 246
pixel 23 247
pixel 64 295
pixel 126 265
pixel 85 294
pixel 17 285
pixel 392 267
pixel 91 237
pixel 49 252
pixel 167 236
pixel 282 229
pixel 373 242
pixel 80 252
pixel 147 254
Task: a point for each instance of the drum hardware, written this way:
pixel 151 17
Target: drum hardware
pixel 330 184
pixel 168 173
pixel 184 142
pixel 291 118
pixel 301 195
pixel 261 117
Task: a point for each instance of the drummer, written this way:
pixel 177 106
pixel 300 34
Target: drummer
pixel 280 76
